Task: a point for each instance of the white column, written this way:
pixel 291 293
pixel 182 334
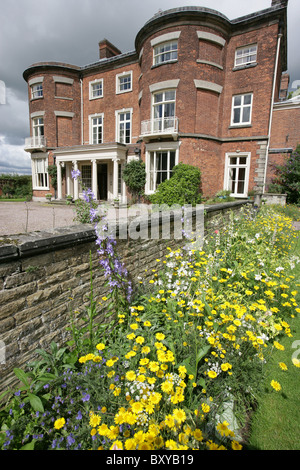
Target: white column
pixel 94 178
pixel 68 178
pixel 76 188
pixel 115 178
pixel 59 181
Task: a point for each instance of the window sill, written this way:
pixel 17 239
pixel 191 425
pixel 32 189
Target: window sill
pixel 164 63
pixel 238 126
pixel 242 67
pixel 37 98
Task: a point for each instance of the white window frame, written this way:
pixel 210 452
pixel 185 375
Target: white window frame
pixel 91 125
pixel 38 130
pixel 159 51
pixel 238 165
pixel 86 181
pixel 247 56
pixel 35 162
pixel 154 149
pixel 119 85
pixel 163 103
pixel 37 91
pixel 118 114
pixel 91 89
pixel 241 106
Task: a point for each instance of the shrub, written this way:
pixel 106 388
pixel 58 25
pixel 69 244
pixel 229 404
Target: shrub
pixel 182 188
pixel 134 175
pixel 288 176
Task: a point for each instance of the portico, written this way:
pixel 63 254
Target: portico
pixel 101 168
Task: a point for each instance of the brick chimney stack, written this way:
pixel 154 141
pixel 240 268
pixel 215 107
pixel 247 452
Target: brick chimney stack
pixel 282 3
pixel 107 49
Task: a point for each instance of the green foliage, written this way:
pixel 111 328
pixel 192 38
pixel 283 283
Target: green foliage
pixel 288 177
pixel 16 186
pixel 182 188
pixel 134 175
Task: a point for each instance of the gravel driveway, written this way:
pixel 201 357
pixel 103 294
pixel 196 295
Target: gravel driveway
pixel 23 217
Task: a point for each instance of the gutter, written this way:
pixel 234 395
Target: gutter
pixel 271 111
pixel 81 110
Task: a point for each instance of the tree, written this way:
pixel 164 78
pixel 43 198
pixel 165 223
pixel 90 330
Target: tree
pixel 288 177
pixel 134 175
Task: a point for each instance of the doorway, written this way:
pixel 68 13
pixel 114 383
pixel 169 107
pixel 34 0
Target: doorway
pixel 102 181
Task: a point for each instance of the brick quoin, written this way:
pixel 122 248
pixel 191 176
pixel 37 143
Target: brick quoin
pixel 205 79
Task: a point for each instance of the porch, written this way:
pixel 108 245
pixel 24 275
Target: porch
pixel 101 167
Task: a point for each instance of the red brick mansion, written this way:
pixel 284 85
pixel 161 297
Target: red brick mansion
pixel 198 88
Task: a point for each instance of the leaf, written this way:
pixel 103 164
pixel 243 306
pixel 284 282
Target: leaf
pixel 22 376
pixel 202 352
pixel 29 446
pixel 36 402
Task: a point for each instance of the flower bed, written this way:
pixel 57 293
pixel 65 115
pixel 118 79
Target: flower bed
pixel 176 368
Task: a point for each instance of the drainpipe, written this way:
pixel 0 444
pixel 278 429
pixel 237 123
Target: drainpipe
pixel 271 111
pixel 81 105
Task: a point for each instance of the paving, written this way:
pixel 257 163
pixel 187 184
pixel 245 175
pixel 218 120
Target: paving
pixel 25 217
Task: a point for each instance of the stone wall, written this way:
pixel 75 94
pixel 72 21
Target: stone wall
pixel 40 272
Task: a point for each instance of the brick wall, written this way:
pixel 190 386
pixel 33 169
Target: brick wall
pixel 39 273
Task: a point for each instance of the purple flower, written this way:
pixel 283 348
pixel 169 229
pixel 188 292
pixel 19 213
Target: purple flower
pixel 86 397
pixel 75 174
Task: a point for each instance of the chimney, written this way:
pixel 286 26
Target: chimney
pixel 107 49
pixel 284 86
pixel 280 3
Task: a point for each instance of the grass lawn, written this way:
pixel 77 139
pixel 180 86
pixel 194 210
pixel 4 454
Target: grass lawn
pixel 19 199
pixel 275 425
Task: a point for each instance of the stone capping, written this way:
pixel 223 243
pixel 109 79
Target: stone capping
pixel 16 247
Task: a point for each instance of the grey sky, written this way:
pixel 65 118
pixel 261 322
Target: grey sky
pixel 69 31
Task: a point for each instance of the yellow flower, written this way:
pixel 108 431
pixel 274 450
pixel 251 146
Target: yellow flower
pixel 212 374
pixel 223 428
pixel 137 407
pixel 160 336
pixel 179 415
pixel 283 366
pixel 278 346
pixel 205 408
pixel 94 420
pixel 236 445
pixel 147 323
pixel 276 385
pixel 140 340
pixel 100 346
pixel 198 435
pixel 59 423
pixel 130 375
pixel 134 326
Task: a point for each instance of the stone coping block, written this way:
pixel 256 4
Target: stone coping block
pixel 15 247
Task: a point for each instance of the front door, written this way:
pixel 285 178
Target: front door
pixel 102 180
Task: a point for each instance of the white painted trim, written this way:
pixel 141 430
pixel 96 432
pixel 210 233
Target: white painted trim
pixel 35 80
pixel 117 127
pixel 120 75
pixel 164 85
pixel 93 82
pixel 64 114
pixel 159 147
pixel 204 85
pixel 247 174
pixel 211 38
pixel 91 116
pixel 66 80
pixel 165 38
pixel 37 114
